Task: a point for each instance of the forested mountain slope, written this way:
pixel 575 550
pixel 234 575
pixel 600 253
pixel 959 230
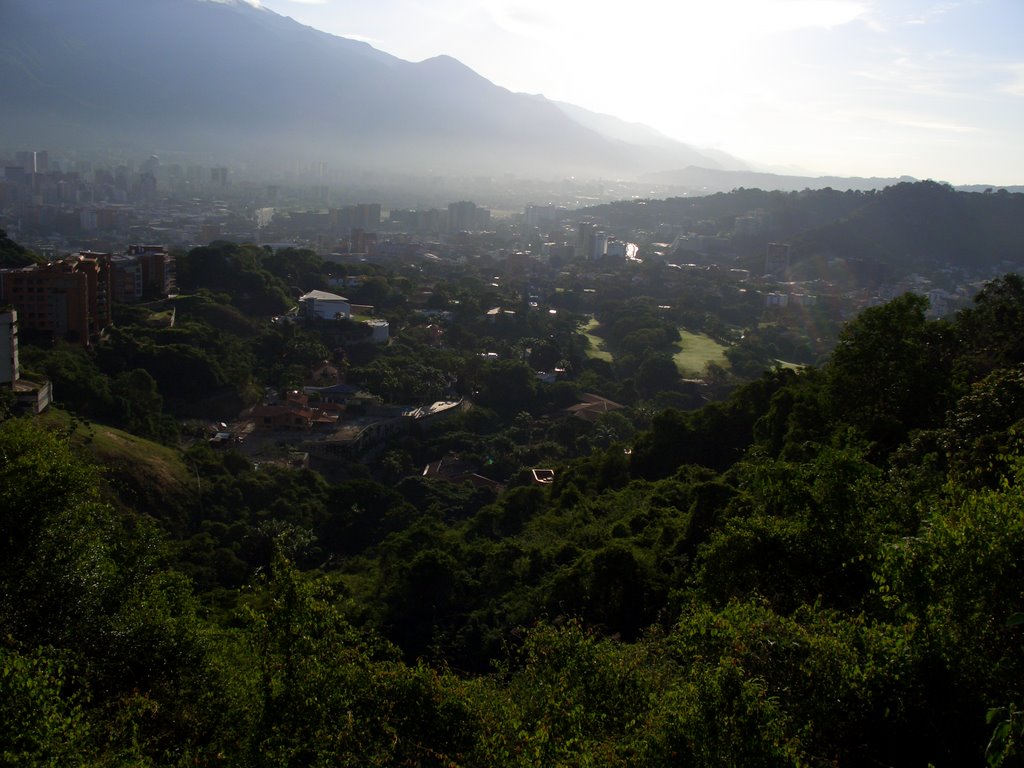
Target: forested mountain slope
pixel 907 227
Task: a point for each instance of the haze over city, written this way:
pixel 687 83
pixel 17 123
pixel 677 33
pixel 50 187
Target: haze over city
pixel 927 89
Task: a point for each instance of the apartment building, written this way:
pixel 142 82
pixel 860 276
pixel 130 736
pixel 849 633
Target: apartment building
pixel 68 299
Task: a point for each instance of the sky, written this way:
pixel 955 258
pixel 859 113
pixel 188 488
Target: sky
pixel 848 87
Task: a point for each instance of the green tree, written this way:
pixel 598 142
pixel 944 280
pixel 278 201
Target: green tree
pixel 657 373
pixel 959 580
pixel 330 695
pixel 42 721
pixel 891 371
pixel 992 331
pixel 14 255
pixel 507 386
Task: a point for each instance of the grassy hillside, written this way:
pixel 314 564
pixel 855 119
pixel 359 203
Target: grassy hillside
pixel 137 473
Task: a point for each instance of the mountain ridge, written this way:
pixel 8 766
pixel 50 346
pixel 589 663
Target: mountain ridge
pixel 710 180
pixel 218 78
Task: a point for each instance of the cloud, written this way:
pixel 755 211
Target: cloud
pixel 945 74
pixel 1015 86
pixel 901 119
pixel 952 77
pixel 802 14
pixel 723 20
pixel 933 13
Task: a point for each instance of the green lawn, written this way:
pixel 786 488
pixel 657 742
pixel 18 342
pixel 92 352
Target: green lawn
pixel 596 350
pixel 696 351
pixel 160 319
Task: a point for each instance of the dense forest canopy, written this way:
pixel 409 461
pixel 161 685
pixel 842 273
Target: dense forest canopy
pixel 822 568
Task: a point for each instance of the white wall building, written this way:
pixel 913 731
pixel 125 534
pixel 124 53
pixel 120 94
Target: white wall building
pixel 381 330
pixel 9 372
pixel 325 306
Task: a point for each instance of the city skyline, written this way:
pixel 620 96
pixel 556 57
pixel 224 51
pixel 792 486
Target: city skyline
pixel 926 89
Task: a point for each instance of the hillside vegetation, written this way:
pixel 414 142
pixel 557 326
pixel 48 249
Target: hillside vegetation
pixel 821 568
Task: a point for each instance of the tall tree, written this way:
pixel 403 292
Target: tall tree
pixel 891 371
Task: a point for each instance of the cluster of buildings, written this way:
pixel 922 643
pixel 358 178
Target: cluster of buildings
pixel 71 298
pixel 332 425
pixel 594 243
pixel 59 200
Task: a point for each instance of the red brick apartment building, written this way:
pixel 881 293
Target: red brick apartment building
pixel 145 271
pixel 69 299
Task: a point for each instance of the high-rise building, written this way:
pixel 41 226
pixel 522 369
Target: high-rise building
pixel 776 260
pixel 126 279
pixel 461 216
pixel 69 299
pixel 367 216
pixel 144 189
pixel 157 268
pixel 585 231
pixel 26 160
pixel 219 177
pixel 542 216
pixel 9 372
pixel 144 271
pixel 360 241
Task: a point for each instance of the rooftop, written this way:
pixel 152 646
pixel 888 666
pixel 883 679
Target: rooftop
pixel 322 296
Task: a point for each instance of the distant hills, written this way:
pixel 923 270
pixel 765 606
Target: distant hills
pixel 907 226
pixel 723 179
pixel 226 79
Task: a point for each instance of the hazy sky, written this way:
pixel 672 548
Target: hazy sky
pixel 870 87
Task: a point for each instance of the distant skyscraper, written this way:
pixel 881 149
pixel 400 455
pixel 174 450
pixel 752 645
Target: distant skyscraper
pixel 585 239
pixel 219 177
pixel 541 216
pixel 26 160
pixel 194 175
pixel 369 215
pixel 461 216
pixel 776 260
pixel 144 189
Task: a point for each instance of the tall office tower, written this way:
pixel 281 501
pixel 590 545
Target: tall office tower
pixel 461 216
pixel 776 260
